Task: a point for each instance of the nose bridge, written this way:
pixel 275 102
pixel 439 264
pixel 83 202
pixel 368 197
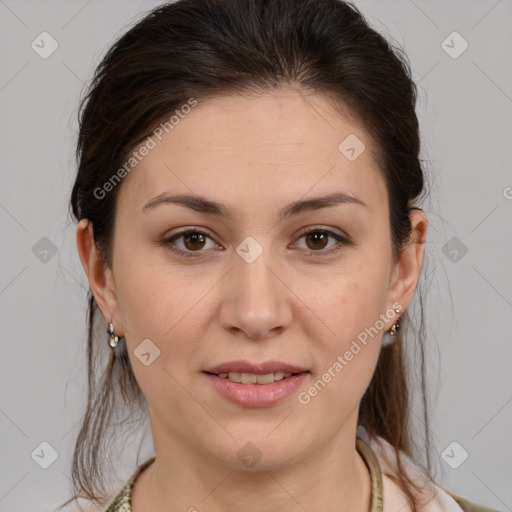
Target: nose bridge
pixel 254 274
pixel 256 300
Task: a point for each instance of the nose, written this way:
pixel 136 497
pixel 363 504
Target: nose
pixel 256 299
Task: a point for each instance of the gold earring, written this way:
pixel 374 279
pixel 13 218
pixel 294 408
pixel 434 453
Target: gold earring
pixel 393 331
pixel 113 338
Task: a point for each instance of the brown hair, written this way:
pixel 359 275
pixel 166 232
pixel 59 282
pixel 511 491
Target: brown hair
pixel 198 48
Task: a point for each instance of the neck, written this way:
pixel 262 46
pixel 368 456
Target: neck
pixel 182 478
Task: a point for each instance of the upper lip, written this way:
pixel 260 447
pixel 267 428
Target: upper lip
pixel 257 368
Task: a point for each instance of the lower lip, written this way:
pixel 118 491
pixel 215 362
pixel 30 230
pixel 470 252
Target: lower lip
pixel 257 395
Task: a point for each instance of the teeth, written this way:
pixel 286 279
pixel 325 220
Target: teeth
pixel 247 378
pixel 266 378
pixel 278 375
pixel 253 378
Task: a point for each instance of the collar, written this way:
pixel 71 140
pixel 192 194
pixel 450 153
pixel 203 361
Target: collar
pixel 122 502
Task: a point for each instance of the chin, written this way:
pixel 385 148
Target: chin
pixel 259 452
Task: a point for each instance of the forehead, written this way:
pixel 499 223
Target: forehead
pixel 264 146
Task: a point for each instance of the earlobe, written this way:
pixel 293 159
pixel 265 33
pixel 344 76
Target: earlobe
pixel 98 273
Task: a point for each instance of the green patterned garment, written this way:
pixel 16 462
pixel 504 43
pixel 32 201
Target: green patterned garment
pixel 122 502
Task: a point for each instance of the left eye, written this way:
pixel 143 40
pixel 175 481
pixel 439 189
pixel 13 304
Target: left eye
pixel 195 240
pixel 318 239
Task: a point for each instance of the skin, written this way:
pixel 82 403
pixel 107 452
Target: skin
pixel 254 154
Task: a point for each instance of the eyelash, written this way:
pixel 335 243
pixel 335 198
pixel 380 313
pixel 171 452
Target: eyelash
pixel 191 254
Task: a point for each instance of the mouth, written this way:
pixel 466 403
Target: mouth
pixel 256 385
pixel 254 378
pixel 246 372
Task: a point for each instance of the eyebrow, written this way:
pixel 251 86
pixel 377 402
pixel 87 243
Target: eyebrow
pixel 203 205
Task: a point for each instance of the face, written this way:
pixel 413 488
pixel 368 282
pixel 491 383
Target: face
pixel 261 287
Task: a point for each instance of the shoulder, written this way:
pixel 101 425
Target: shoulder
pixel 435 497
pixel 468 506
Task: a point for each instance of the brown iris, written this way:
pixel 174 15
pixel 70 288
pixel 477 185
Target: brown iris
pixel 317 237
pixel 193 239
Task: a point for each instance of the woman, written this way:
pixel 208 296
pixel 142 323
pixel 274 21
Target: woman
pixel 247 198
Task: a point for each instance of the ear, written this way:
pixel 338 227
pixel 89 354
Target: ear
pixel 99 274
pixel 408 267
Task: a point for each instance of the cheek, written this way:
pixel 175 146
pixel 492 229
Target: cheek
pixel 167 306
pixel 155 307
pixel 349 307
pixel 346 358
pixel 351 302
pixel 152 294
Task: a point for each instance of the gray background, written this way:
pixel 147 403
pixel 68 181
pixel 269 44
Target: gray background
pixel 465 110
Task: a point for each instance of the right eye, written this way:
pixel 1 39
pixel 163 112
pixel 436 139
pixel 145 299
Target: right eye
pixel 192 239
